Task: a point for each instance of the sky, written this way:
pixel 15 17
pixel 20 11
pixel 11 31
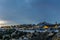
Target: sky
pixel 29 11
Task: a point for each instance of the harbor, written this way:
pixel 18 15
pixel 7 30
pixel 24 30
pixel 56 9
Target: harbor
pixel 30 32
pixel 40 31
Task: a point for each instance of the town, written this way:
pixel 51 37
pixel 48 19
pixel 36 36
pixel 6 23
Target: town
pixel 40 31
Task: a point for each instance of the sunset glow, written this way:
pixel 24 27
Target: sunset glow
pixel 2 23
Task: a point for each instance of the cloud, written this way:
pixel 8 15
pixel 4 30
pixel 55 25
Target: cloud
pixel 6 12
pixel 29 11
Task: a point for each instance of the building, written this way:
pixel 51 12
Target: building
pixel 48 25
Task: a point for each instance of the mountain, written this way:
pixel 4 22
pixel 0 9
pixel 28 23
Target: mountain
pixel 45 24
